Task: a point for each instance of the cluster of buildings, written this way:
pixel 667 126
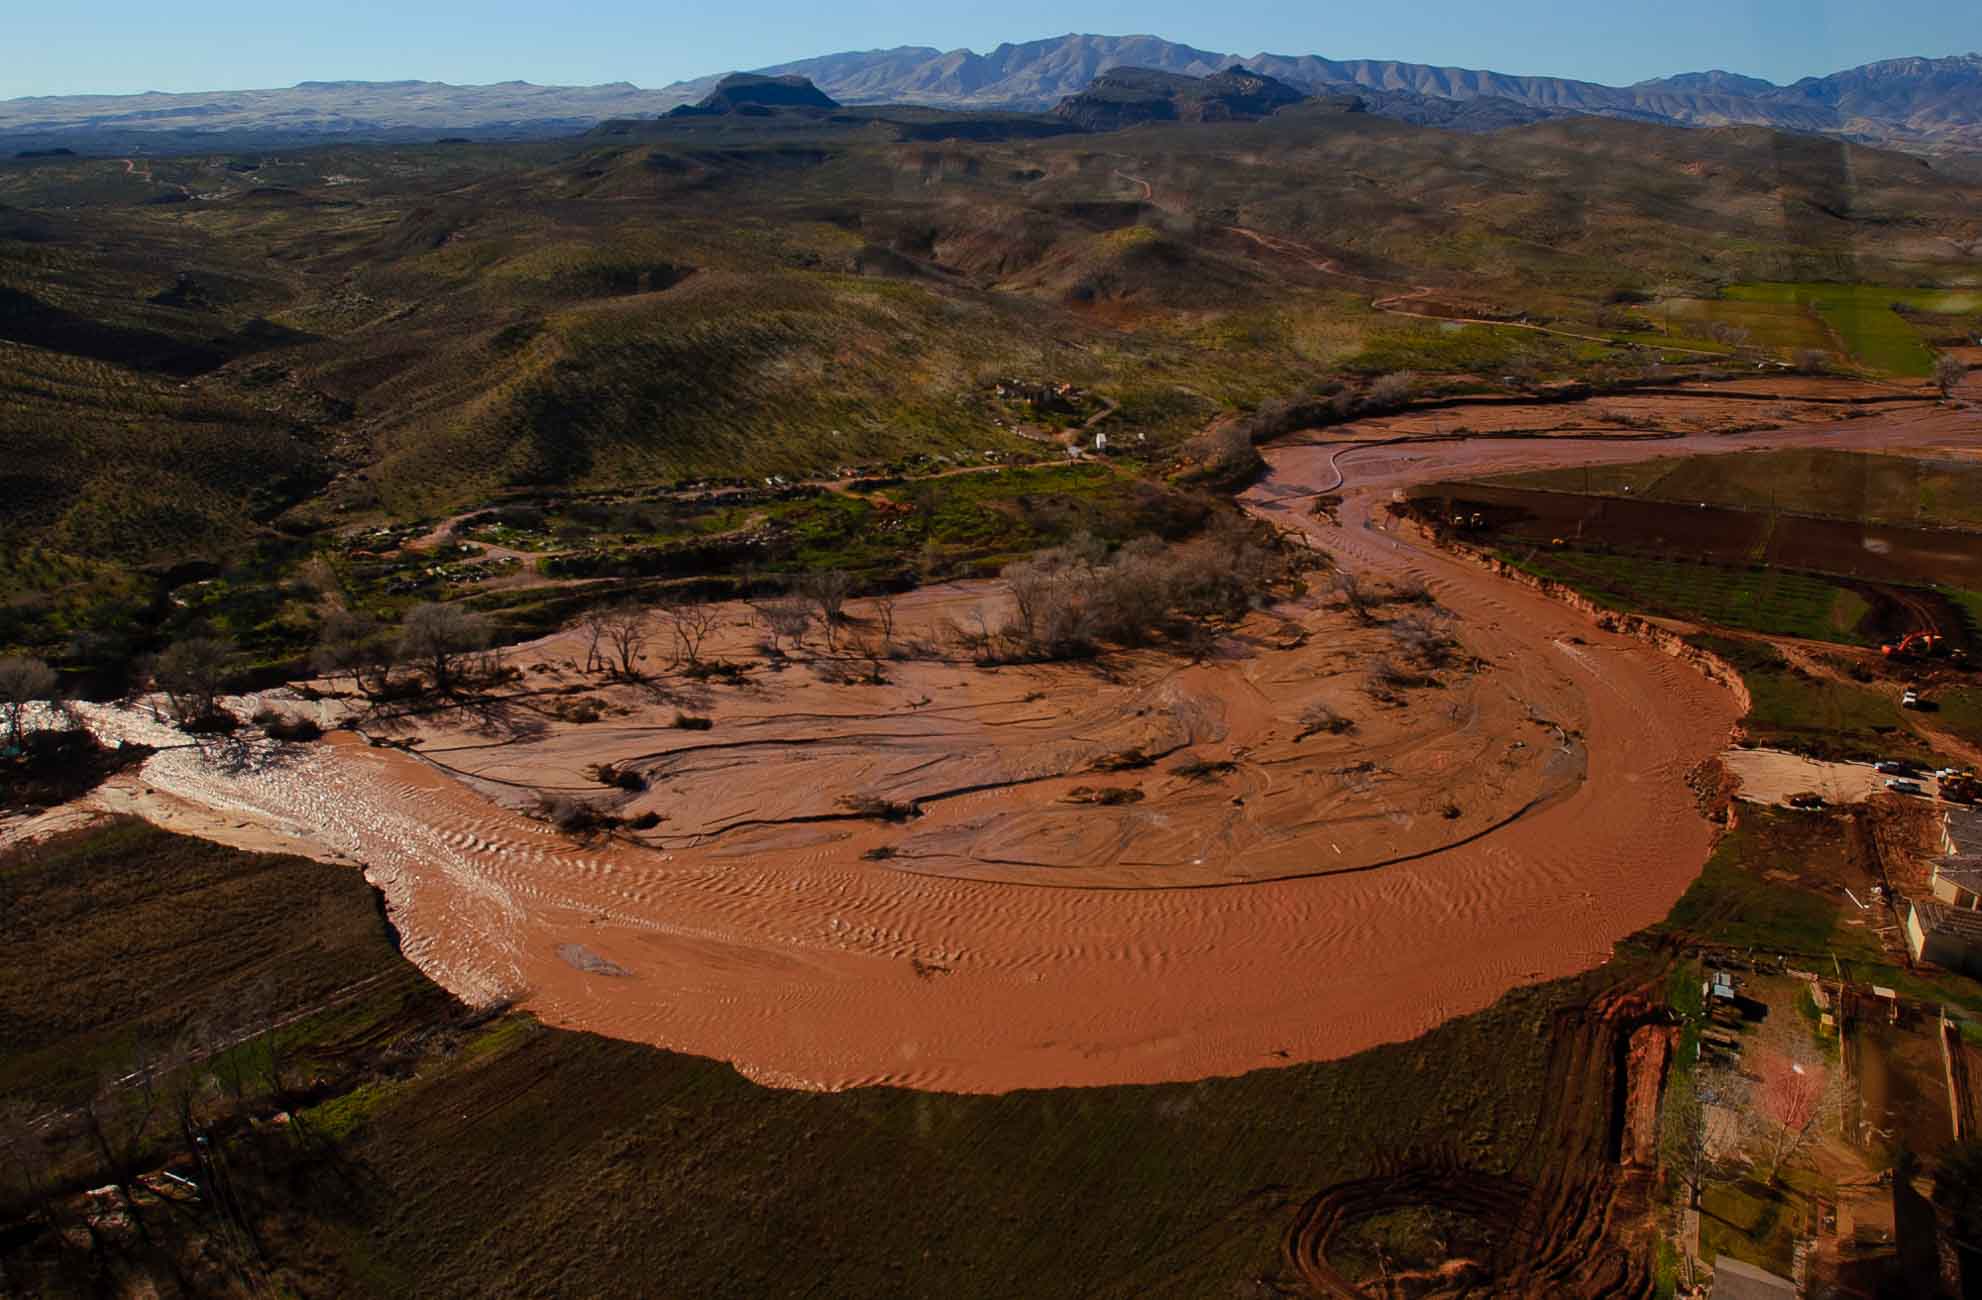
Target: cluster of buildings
pixel 1946 928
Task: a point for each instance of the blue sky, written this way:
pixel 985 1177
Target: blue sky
pixel 120 46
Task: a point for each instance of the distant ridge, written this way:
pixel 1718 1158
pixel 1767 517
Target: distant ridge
pixel 1928 105
pixel 1127 96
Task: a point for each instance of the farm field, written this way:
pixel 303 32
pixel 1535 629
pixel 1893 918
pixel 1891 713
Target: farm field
pixel 1752 599
pixel 1863 317
pixel 1798 480
pixel 1805 542
pixel 1786 327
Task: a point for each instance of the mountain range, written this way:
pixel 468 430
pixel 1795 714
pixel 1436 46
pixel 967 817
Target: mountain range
pixel 1927 105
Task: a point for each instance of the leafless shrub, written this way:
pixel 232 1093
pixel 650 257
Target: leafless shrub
pixel 1126 760
pixel 851 672
pixel 575 817
pixel 628 779
pixel 1203 769
pixel 1349 586
pixel 692 722
pixel 1068 599
pixel 1324 719
pixel 1411 589
pixel 877 808
pixel 785 618
pixel 1390 392
pixel 583 710
pixel 1387 680
pixel 1424 638
pixel 1813 361
pixel 1107 796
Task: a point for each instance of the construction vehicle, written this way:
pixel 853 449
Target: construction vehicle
pixel 1915 644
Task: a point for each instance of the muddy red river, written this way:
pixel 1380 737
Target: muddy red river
pixel 1308 897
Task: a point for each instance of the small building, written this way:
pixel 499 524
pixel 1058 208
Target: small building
pixel 1947 936
pixel 1957 880
pixel 1961 832
pixel 1734 1280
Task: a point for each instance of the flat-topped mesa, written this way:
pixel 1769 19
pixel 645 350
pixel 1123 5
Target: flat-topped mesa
pixel 748 92
pixel 1126 96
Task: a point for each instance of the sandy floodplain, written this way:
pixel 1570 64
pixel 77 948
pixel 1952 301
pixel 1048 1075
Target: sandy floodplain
pixel 1320 895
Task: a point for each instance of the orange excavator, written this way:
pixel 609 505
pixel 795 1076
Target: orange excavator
pixel 1914 645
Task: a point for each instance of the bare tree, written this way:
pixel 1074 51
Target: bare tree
pixel 353 646
pixel 192 673
pixel 1030 587
pixel 624 629
pixel 439 637
pixel 591 626
pixel 884 610
pixel 1949 372
pixel 22 682
pixel 1699 1126
pixel 693 622
pixel 828 590
pixel 785 618
pixel 1134 595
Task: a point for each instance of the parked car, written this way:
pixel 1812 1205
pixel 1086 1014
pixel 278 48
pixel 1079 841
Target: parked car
pixel 1893 767
pixel 1905 787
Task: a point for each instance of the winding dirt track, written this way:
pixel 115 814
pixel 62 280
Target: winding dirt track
pixel 807 966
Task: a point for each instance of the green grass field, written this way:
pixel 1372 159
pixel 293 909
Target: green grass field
pixel 1735 903
pixel 1862 315
pixel 1770 601
pixel 1814 715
